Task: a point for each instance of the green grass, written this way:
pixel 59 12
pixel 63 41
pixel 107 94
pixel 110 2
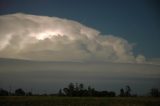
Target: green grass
pixel 77 101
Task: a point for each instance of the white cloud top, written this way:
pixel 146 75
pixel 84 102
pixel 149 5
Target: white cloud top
pixel 24 36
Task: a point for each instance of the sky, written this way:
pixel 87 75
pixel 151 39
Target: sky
pixel 137 21
pixel 90 40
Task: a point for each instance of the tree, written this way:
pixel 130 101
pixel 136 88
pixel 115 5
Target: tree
pixel 81 86
pixel 155 92
pixel 29 94
pixel 90 92
pixel 128 91
pixel 111 94
pixel 19 92
pixel 71 89
pixel 79 90
pixel 122 92
pixel 60 93
pixel 71 86
pixel 66 91
pixel 77 87
pixel 3 92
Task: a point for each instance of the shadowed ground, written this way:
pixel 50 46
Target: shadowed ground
pixel 77 101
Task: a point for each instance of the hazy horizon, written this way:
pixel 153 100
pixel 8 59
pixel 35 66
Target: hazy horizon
pixel 51 76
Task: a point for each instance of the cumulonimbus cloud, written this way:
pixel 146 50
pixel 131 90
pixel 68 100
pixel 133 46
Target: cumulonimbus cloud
pixel 24 36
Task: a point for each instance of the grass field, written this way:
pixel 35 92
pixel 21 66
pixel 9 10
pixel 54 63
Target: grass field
pixel 77 101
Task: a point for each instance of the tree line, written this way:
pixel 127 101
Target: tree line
pixel 78 90
pixel 17 92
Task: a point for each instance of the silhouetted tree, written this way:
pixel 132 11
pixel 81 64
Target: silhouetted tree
pixel 3 92
pixel 90 91
pixel 111 94
pixel 19 92
pixel 155 92
pixel 128 91
pixel 79 90
pixel 66 91
pixel 60 93
pixel 81 86
pixel 122 92
pixel 71 89
pixel 77 87
pixel 29 94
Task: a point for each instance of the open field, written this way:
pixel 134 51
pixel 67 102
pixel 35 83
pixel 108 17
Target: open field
pixel 77 101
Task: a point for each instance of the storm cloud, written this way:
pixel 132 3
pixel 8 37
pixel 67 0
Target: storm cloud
pixel 32 37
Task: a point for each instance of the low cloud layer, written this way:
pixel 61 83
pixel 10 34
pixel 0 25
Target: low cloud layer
pixel 24 36
pixel 51 76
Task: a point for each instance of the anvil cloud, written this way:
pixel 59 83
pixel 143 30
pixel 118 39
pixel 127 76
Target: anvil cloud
pixel 32 37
